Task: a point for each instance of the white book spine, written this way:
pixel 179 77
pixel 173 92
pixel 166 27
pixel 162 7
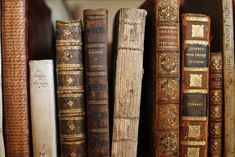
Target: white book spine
pixel 43 109
pixel 229 79
pixel 2 147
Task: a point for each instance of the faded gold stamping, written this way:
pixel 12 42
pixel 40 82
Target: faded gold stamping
pixel 195 80
pixel 198 31
pixel 193 152
pixel 194 131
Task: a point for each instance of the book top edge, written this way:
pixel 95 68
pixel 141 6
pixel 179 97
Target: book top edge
pixel 69 22
pixel 41 61
pixel 95 12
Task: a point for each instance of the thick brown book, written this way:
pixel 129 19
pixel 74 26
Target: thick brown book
pixel 167 78
pixel 128 82
pixel 216 105
pixel 195 85
pixel 229 78
pixel 70 89
pixel 15 94
pixel 97 104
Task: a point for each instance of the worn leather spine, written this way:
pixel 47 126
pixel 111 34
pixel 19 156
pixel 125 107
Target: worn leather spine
pixel 97 103
pixel 15 94
pixel 43 108
pixel 70 88
pixel 216 105
pixel 195 85
pixel 128 82
pixel 229 78
pixel 167 78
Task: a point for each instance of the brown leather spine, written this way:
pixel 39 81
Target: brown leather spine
pixel 167 78
pixel 216 105
pixel 15 95
pixel 195 85
pixel 96 57
pixel 70 89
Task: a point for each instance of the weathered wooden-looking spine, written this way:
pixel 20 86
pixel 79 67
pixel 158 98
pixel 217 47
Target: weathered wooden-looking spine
pixel 70 89
pixel 15 85
pixel 216 105
pixel 229 79
pixel 195 85
pixel 43 108
pixel 167 78
pixel 96 57
pixel 128 82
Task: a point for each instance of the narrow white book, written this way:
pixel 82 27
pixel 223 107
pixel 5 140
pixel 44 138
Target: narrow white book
pixel 43 108
pixel 2 147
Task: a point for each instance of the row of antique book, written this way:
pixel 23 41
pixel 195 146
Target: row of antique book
pixel 188 95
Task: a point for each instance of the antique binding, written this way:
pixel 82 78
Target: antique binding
pixel 15 95
pixel 128 82
pixel 195 85
pixel 229 78
pixel 96 57
pixel 216 105
pixel 70 89
pixel 167 78
pixel 42 107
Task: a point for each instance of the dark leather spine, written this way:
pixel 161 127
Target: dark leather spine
pixel 167 78
pixel 70 89
pixel 195 85
pixel 96 57
pixel 216 105
pixel 15 95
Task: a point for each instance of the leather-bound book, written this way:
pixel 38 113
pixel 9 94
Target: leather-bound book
pixel 128 82
pixel 97 105
pixel 167 78
pixel 229 78
pixel 43 108
pixel 216 105
pixel 195 85
pixel 15 94
pixel 70 89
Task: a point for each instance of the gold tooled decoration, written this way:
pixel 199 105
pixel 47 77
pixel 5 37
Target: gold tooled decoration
pixel 194 131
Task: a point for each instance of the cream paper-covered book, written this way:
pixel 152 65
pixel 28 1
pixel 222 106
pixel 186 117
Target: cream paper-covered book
pixel 2 147
pixel 42 105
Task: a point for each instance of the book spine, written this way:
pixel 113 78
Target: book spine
pixel 229 79
pixel 97 105
pixel 195 85
pixel 128 82
pixel 70 89
pixel 42 105
pixel 216 105
pixel 2 145
pixel 167 78
pixel 15 94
